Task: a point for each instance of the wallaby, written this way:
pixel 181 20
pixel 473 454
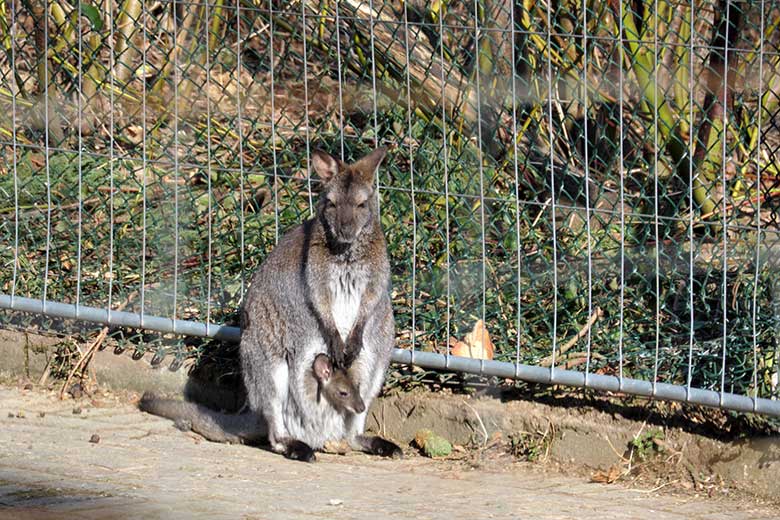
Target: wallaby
pixel 324 289
pixel 333 385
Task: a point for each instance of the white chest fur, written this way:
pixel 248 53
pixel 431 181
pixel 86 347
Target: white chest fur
pixel 346 291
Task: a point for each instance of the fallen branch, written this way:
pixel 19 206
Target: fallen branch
pixel 86 357
pixel 598 313
pixel 419 63
pixel 84 360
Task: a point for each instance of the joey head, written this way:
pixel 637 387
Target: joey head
pixel 335 386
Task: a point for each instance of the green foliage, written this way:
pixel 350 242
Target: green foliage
pixel 647 443
pixel 530 446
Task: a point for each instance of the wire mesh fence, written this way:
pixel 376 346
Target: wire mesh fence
pixel 595 181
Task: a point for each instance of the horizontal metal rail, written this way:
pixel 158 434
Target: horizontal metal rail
pixel 428 360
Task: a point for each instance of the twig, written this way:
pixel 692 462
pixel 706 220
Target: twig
pixel 85 357
pixel 383 427
pixel 631 453
pixel 41 207
pixel 597 313
pixel 692 472
pixel 123 189
pixel 45 374
pixel 577 358
pixel 656 488
pixel 606 437
pixel 641 429
pixel 541 212
pixel 551 431
pixel 481 424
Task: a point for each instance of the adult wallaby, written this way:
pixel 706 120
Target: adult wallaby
pixel 324 289
pixel 328 386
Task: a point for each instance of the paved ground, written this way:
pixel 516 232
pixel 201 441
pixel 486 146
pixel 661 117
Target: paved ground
pixel 143 468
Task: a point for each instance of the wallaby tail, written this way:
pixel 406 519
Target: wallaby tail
pixel 213 425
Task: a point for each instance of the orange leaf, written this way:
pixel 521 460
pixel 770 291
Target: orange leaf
pixel 607 477
pixel 477 344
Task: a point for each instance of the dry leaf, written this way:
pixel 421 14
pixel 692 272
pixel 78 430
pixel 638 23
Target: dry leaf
pixel 476 344
pixel 66 262
pixel 135 134
pixel 607 477
pixel 37 160
pixel 336 447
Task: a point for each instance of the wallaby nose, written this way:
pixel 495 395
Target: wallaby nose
pixel 360 406
pixel 347 232
pixel 347 227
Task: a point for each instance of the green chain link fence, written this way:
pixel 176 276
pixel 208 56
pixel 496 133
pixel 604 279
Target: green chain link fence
pixel 604 204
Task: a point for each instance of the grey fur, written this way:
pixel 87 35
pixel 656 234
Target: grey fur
pixel 324 289
pixel 213 425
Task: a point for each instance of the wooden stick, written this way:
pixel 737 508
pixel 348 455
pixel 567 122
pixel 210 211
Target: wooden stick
pixel 597 313
pixel 84 359
pixel 87 356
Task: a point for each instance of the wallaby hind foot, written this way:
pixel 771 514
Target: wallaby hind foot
pixel 298 450
pixel 378 446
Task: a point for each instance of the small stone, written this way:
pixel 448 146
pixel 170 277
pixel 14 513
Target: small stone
pixel 95 438
pixel 41 414
pixel 335 502
pixel 11 415
pixel 77 410
pixel 28 386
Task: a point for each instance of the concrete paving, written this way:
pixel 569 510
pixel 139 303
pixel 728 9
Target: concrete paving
pixel 144 468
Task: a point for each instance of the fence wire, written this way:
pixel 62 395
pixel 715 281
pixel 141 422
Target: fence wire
pixel 596 181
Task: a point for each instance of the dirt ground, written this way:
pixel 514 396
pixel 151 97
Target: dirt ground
pixel 99 457
pixel 654 445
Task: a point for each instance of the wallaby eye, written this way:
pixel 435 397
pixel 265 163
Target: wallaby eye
pixel 362 205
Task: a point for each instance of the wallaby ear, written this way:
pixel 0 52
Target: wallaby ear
pixel 322 368
pixel 325 165
pixel 368 164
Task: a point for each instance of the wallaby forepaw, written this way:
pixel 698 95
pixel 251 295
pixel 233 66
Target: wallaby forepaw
pixel 298 450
